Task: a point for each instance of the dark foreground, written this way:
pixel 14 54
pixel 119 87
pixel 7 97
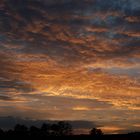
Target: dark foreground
pixel 60 131
pixel 74 137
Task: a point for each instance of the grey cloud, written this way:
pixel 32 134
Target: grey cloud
pixel 15 85
pixel 10 122
pixel 54 102
pixel 5 98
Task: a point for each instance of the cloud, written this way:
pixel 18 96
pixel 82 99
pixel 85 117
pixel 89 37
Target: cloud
pixel 10 122
pixel 5 98
pixel 16 85
pixel 57 102
pixel 84 54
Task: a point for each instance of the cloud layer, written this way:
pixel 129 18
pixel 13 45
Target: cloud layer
pixel 70 56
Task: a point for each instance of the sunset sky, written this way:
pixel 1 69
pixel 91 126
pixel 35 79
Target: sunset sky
pixel 71 60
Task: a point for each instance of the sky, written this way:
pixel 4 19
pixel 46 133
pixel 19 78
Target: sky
pixel 71 60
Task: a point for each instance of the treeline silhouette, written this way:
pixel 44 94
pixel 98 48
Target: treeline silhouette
pixel 46 130
pixel 61 129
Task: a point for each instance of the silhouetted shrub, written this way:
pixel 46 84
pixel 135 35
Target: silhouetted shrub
pixel 61 129
pixel 45 129
pixel 20 128
pixel 34 131
pixel 1 133
pixel 96 132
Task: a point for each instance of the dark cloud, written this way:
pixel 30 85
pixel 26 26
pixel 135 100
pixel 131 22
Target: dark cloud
pixel 5 98
pixel 10 122
pixel 16 85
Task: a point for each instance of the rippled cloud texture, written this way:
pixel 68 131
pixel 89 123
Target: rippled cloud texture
pixel 71 60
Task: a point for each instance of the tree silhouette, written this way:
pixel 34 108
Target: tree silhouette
pixel 96 132
pixel 64 128
pixel 20 130
pixel 1 133
pixel 61 129
pixel 54 130
pixel 45 129
pixel 34 131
